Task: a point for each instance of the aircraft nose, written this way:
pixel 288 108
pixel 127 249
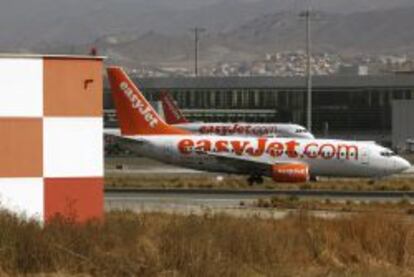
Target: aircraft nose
pixel 308 136
pixel 401 164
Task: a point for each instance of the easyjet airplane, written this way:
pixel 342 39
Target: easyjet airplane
pixel 283 159
pixel 174 116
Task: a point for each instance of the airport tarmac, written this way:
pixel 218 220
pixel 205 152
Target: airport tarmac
pixel 137 166
pixel 199 201
pixel 167 170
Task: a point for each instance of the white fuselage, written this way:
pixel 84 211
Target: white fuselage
pixel 246 129
pixel 325 157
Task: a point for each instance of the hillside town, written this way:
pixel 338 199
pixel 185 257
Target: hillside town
pixel 290 64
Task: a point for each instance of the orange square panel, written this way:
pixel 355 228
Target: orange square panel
pixel 21 147
pixel 73 87
pixel 80 199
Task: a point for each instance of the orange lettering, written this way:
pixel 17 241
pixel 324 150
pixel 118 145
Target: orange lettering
pixel 203 146
pixel 309 153
pixel 261 145
pixel 221 146
pixel 291 149
pixel 207 130
pixel 248 130
pixel 327 155
pixel 202 130
pixel 350 150
pixel 275 149
pixel 232 129
pixel 185 146
pixel 239 147
pixel 240 130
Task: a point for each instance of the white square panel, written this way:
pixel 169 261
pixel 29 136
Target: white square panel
pixel 73 147
pixel 24 196
pixel 21 87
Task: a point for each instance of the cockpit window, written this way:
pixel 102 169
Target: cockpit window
pixel 388 153
pixel 301 131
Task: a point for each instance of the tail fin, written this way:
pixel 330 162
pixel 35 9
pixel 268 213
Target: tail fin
pixel 135 115
pixel 172 113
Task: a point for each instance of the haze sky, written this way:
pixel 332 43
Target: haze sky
pixel 32 22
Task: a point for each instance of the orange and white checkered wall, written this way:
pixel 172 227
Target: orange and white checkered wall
pixel 51 143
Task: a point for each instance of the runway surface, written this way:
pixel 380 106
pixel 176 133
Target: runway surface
pixel 243 194
pixel 198 201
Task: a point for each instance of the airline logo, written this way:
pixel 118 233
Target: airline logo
pixel 237 129
pixel 296 172
pixel 275 149
pixel 292 171
pixel 144 109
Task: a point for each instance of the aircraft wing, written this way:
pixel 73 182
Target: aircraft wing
pixel 114 135
pixel 248 164
pixel 243 164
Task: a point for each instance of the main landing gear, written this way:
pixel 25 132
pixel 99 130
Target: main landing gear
pixel 255 179
pixel 314 179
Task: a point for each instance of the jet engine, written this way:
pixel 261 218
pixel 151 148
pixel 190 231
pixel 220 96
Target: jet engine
pixel 290 173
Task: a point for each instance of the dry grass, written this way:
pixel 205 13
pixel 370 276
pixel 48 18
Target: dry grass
pixel 127 244
pixel 404 206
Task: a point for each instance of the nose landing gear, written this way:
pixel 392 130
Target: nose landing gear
pixel 255 179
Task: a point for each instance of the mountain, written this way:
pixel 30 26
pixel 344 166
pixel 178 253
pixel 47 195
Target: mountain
pixel 373 31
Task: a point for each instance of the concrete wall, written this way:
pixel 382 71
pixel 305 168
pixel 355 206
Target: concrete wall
pixel 402 123
pixel 51 146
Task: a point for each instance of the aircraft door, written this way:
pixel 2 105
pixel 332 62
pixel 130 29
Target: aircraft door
pixel 365 156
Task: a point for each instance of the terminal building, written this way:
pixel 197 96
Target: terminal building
pixel 349 107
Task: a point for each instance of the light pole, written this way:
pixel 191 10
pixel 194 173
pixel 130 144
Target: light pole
pixel 308 18
pixel 309 67
pixel 197 32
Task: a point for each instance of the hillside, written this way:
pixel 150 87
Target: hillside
pixel 349 34
pixel 375 31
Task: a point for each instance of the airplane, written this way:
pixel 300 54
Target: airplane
pixel 290 160
pixel 175 117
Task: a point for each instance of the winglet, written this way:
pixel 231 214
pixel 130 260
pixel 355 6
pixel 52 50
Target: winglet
pixel 135 115
pixel 173 114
